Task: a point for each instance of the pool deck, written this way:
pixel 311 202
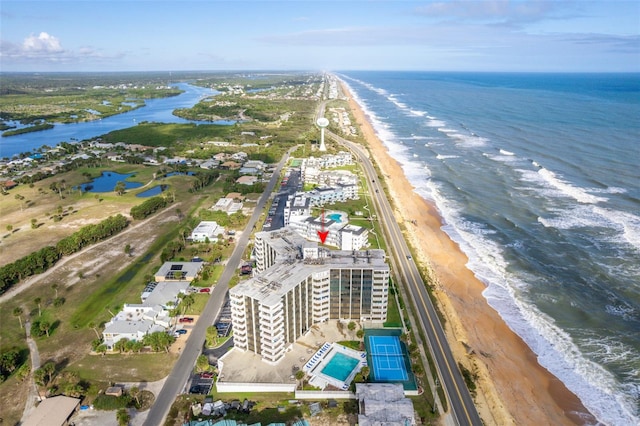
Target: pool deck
pixel 320 359
pixel 247 367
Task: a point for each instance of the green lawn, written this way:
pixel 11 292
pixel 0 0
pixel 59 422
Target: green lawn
pixel 147 367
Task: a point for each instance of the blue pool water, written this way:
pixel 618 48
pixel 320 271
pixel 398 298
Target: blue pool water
pixel 336 217
pixel 340 366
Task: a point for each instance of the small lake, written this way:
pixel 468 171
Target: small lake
pixel 180 173
pixel 107 182
pixel 156 190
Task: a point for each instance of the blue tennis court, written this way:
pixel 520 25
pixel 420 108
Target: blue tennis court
pixel 387 358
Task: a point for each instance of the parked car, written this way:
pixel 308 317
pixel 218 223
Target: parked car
pixel 185 319
pixel 206 375
pixel 205 290
pixel 181 331
pixel 203 390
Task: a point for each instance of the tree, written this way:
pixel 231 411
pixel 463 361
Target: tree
pixel 9 227
pixel 123 417
pixel 360 334
pixel 351 326
pixel 45 326
pixel 44 375
pixel 92 325
pixel 135 394
pixel 55 286
pixel 299 376
pixel 187 301
pixel 121 345
pixel 17 312
pixel 34 223
pixel 9 361
pixel 120 188
pixel 127 249
pixel 38 301
pixel 102 349
pixel 365 372
pixel 202 363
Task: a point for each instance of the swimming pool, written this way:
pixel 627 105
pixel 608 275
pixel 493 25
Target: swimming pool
pixel 340 366
pixel 336 217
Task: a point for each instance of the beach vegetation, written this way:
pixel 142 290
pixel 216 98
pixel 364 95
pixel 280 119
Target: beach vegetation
pixel 470 379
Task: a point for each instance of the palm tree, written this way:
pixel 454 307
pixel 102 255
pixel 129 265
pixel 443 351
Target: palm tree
pixel 93 326
pixel 365 372
pixel 45 326
pixel 55 286
pixel 299 376
pixel 187 301
pixel 17 312
pixel 38 301
pixel 135 394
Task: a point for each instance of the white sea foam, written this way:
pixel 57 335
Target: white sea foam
pixel 556 351
pixel 446 157
pixel 505 152
pixel 628 224
pixel 579 194
pixel 432 122
pixel 417 113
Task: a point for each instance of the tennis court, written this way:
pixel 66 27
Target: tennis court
pixel 387 359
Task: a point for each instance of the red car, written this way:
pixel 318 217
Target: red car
pixel 206 375
pixel 186 319
pixel 204 290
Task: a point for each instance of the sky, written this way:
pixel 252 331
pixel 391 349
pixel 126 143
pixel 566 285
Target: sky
pixel 471 35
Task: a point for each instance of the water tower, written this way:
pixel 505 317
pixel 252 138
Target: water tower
pixel 322 123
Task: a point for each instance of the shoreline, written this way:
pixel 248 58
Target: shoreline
pixel 512 387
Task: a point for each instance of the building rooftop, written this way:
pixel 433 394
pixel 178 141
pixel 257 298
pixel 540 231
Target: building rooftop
pixel 297 259
pixel 179 271
pixel 52 411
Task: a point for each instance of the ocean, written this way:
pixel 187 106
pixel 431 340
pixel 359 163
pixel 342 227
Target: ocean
pixel 537 177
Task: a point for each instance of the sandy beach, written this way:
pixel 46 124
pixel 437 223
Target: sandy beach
pixel 512 387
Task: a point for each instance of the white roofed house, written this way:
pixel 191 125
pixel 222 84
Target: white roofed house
pixel 207 229
pixel 135 321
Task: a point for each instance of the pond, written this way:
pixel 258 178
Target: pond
pixel 180 173
pixel 156 190
pixel 107 182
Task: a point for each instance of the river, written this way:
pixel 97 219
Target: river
pixel 156 110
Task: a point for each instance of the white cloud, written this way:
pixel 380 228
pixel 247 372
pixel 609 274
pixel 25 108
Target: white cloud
pixel 42 44
pixel 45 48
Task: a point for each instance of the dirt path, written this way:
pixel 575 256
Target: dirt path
pixel 106 255
pixel 32 397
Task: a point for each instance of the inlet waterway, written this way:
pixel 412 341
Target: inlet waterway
pixel 155 110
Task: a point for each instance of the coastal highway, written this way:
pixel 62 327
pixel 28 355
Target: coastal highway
pixel 461 403
pixel 177 379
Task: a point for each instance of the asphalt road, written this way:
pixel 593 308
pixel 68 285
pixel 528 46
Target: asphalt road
pixel 461 403
pixel 177 379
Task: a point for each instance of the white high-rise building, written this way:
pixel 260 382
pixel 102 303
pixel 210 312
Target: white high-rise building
pixel 299 284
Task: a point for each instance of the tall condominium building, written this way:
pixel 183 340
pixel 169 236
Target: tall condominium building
pixel 299 284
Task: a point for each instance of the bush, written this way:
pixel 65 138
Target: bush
pixel 110 402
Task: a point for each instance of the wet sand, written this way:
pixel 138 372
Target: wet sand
pixel 512 387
